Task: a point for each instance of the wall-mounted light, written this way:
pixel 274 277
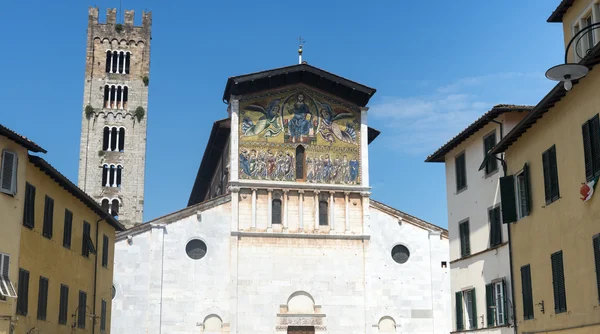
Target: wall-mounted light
pixel 541 305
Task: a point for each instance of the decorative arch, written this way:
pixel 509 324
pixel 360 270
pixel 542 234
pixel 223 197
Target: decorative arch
pixel 213 323
pixel 301 302
pixel 386 324
pixel 301 310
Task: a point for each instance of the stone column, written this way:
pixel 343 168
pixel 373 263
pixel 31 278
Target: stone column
pixel 316 210
pixel 109 136
pixel 365 212
pixel 331 212
pixel 300 209
pixel 364 147
pixel 270 210
pixel 235 200
pixel 347 224
pixel 253 208
pixel 285 209
pixel 117 142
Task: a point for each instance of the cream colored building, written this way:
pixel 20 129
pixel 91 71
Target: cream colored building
pixel 555 235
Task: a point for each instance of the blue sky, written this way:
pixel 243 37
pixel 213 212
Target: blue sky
pixel 436 65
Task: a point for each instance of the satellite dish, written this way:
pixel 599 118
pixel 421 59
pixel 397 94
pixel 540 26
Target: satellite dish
pixel 567 73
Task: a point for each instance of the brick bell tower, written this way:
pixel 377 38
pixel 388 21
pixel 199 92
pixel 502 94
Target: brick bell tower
pixel 112 154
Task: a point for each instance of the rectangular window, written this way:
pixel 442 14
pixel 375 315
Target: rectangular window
pixel 500 302
pixel 276 212
pixel 48 217
pixel 105 251
pixel 590 34
pixel 558 283
pixel 461 172
pixel 63 307
pixel 8 173
pixel 495 226
pixel 103 316
pixel 29 210
pixel 459 312
pixel 465 242
pixel 7 289
pixel 323 213
pixel 86 241
pixel 81 309
pixel 522 192
pixel 471 308
pixel 67 229
pixel 550 175
pixel 42 298
pixel 590 131
pixel 491 164
pixel 527 292
pixel 596 244
pixel 23 299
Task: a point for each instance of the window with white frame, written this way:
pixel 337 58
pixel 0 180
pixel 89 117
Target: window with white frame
pixel 588 39
pixel 118 61
pixel 111 206
pixel 116 97
pixel 7 289
pixel 522 192
pixel 111 175
pixel 500 303
pixel 496 309
pixel 470 308
pixel 8 172
pixel 113 139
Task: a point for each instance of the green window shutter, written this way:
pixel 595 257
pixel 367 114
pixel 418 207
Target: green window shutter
pixel 459 312
pixel 554 188
pixel 596 244
pixel 527 208
pixel 507 197
pixel 558 282
pixel 489 302
pixel 546 167
pixel 595 144
pixel 504 298
pixel 465 247
pixel 474 308
pixel 587 150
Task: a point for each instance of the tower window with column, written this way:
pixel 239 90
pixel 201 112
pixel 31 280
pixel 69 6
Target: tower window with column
pixel 113 139
pixel 118 61
pixel 116 97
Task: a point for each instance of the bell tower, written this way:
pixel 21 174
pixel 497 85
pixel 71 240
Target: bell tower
pixel 112 154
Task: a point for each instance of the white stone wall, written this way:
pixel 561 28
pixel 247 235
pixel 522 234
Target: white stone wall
pixel 473 203
pixel 248 276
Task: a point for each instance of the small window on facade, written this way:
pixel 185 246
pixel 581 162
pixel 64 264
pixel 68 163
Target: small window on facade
pixel 491 164
pixel 81 309
pixel 465 242
pixel 400 254
pixel 495 226
pixel 23 299
pixel 323 213
pixel 461 172
pixel 276 212
pixel 103 316
pixel 8 173
pixel 444 264
pixel 48 217
pixel 527 292
pixel 590 34
pixel 591 147
pixel 470 308
pixel 42 298
pixel 195 249
pixel 300 162
pixel 29 207
pixel 68 227
pixel 550 175
pixel 63 307
pixel 558 283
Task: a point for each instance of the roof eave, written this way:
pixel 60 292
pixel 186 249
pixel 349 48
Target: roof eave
pixel 19 139
pixel 558 13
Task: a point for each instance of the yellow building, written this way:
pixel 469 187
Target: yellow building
pixel 65 246
pixel 550 154
pixel 13 161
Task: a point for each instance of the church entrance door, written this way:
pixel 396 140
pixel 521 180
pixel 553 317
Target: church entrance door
pixel 301 330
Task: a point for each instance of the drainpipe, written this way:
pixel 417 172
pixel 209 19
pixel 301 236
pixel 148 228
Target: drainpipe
pixel 510 257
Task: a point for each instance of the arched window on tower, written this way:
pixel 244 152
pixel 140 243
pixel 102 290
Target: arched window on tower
pixel 106 96
pixel 276 212
pixel 108 60
pixel 119 171
pixel 121 139
pixel 113 92
pixel 127 62
pixel 121 62
pixel 113 139
pixel 323 213
pixel 111 179
pixel 115 59
pixel 106 139
pixel 105 205
pixel 125 97
pixel 300 162
pixel 119 97
pixel 114 208
pixel 105 172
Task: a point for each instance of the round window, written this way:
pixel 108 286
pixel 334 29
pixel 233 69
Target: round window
pixel 400 254
pixel 114 291
pixel 196 249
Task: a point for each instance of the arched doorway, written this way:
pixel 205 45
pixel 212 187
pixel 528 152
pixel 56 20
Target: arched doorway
pixel 301 330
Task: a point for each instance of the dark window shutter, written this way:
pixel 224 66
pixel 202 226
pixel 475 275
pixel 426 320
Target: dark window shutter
pixel 507 198
pixel 323 214
pixel 465 247
pixel 85 250
pixel 595 145
pixel 42 298
pixel 29 206
pixel 547 183
pixel 103 316
pixel 587 150
pixel 23 299
pixel 48 217
pixel 526 291
pixel 555 194
pixel 489 302
pixel 121 139
pixel 67 229
pixel 504 301
pixel 64 304
pixel 558 282
pixel 276 212
pixel 491 164
pixel 527 207
pixel 459 312
pixel 8 174
pixel 596 244
pixel 461 172
pixel 473 309
pixel 81 311
pixel 495 226
pixel 104 251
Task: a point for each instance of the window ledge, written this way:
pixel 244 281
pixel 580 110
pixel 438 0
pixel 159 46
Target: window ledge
pixel 461 190
pixel 481 252
pixel 488 175
pixel 478 329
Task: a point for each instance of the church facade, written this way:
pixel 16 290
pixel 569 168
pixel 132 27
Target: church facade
pixel 280 234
